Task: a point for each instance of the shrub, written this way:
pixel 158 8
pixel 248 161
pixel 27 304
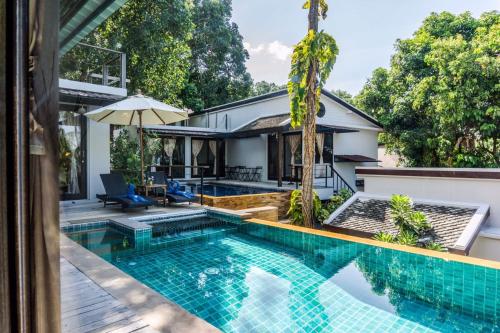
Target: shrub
pixel 384 237
pixel 434 246
pixel 295 211
pixel 412 225
pixel 337 200
pixel 126 154
pixel 405 218
pixel 407 238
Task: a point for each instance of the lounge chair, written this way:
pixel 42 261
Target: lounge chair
pixel 172 195
pixel 117 193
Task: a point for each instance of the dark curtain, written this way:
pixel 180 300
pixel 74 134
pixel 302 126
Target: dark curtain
pixel 43 171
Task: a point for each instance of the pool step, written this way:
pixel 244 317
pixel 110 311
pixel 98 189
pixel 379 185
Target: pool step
pixel 191 236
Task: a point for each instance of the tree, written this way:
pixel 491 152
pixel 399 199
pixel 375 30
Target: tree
pixel 439 101
pixel 312 61
pixel 374 97
pixel 264 87
pixel 345 95
pixel 155 35
pixel 217 67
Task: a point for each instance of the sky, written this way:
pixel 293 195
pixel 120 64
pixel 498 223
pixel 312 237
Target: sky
pixel 365 31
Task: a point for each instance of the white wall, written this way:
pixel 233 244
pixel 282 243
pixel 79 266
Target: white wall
pixel 98 156
pixel 250 152
pixel 335 114
pixel 363 143
pixel 472 190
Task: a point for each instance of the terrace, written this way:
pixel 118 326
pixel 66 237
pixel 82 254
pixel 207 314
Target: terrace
pixel 206 266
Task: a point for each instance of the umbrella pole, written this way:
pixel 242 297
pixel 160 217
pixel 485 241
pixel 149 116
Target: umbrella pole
pixel 142 147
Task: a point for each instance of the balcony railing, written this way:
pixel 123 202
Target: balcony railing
pixel 94 64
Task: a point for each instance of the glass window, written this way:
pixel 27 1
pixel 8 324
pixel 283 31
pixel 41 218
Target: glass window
pixel 72 156
pixel 327 149
pixel 206 157
pixel 293 142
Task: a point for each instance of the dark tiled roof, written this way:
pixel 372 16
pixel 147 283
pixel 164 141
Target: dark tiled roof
pixel 369 216
pixel 265 122
pixel 269 124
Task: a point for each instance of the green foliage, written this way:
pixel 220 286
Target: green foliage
pixel 263 87
pixel 434 246
pixel 125 154
pixel 317 49
pixel 439 101
pixel 217 66
pixel 185 53
pixel 405 218
pixel 374 98
pixel 295 212
pixel 346 96
pixel 412 224
pixel 407 238
pixel 155 35
pixel 384 237
pixel 338 200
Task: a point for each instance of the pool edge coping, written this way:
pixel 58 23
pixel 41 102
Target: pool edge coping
pixel 410 249
pixel 156 310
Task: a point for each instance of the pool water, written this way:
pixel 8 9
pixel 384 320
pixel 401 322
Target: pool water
pixel 254 278
pixel 219 190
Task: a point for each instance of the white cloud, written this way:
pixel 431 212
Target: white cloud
pixel 275 49
pixel 279 50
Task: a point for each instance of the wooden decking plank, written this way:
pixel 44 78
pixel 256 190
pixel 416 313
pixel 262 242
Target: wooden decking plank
pixel 97 316
pixel 128 325
pixel 86 307
pixel 75 304
pixel 103 322
pixel 106 302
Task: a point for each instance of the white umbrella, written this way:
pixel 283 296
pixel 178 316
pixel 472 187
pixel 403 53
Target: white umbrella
pixel 138 110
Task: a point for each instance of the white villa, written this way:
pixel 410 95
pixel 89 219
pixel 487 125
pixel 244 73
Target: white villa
pixel 254 133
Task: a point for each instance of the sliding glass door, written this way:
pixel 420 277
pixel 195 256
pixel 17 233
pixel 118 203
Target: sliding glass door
pixel 72 156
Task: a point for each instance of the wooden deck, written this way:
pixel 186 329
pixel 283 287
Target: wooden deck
pixel 86 307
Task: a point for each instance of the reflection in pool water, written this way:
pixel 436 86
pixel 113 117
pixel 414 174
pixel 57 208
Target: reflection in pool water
pixel 254 278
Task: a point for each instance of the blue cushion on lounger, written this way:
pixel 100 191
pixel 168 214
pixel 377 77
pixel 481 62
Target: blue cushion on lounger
pixel 173 188
pixel 134 197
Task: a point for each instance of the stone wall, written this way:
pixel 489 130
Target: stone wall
pixel 281 200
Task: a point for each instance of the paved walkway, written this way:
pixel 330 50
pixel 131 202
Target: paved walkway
pixel 86 307
pixel 93 210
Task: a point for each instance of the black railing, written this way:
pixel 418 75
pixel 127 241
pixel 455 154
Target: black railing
pixel 327 172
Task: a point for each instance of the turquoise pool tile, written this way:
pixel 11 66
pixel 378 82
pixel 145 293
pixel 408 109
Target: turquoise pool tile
pixel 254 278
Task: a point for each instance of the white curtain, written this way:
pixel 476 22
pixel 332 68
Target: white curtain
pixel 320 142
pixel 293 141
pixel 213 148
pixel 197 146
pixel 73 137
pixel 169 151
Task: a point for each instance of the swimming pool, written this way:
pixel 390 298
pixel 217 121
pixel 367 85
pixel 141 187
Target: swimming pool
pixel 248 277
pixel 223 190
